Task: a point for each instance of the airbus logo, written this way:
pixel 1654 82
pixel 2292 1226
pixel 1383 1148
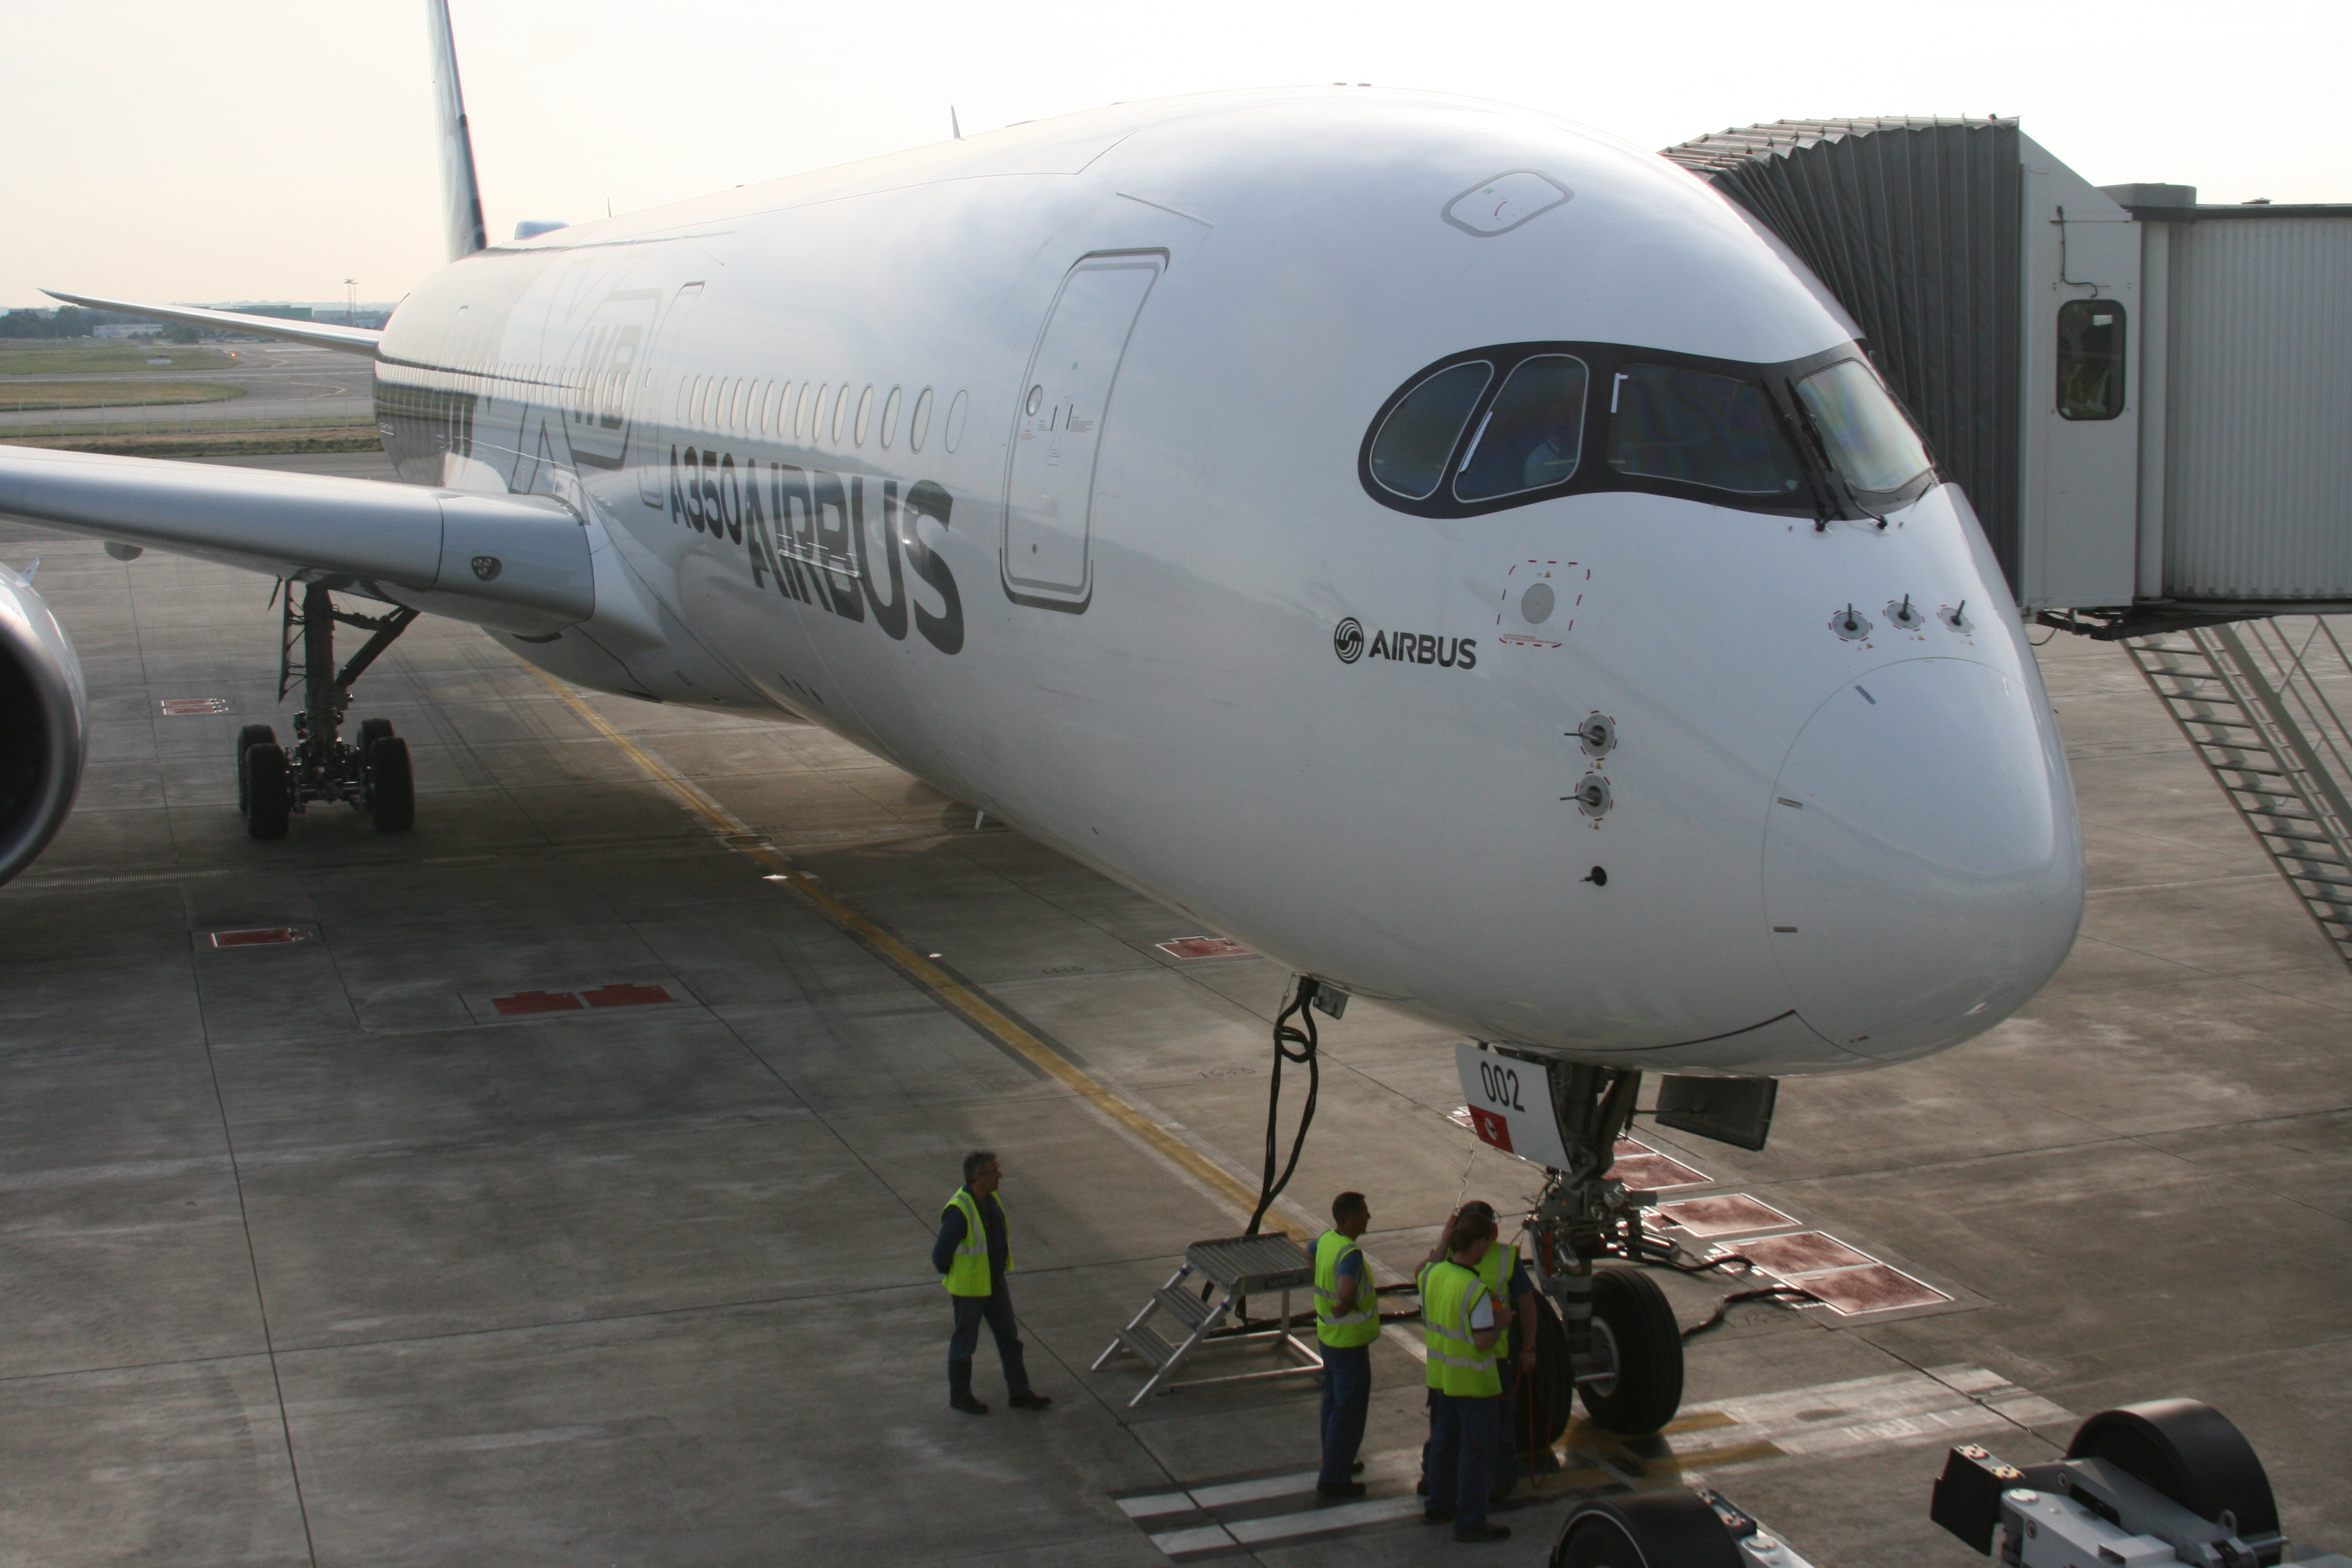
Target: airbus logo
pixel 1411 647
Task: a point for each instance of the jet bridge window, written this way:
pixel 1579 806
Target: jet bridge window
pixel 1867 438
pixel 1409 455
pixel 2090 359
pixel 1532 435
pixel 1694 427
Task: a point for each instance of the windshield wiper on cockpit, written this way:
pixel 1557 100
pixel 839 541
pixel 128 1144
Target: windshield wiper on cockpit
pixel 1811 456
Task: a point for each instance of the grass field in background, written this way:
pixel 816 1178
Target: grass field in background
pixel 32 396
pixel 98 356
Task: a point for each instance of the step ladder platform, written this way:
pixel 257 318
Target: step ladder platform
pixel 1234 1268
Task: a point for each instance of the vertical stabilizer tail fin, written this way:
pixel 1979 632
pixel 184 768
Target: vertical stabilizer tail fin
pixel 461 194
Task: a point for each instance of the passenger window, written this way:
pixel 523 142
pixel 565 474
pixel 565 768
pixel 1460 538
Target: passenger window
pixel 1532 435
pixel 1869 441
pixel 1409 455
pixel 920 426
pixel 890 419
pixel 1696 427
pixel 2090 359
pixel 865 415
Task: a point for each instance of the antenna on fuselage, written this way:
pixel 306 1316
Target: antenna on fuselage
pixel 953 123
pixel 461 193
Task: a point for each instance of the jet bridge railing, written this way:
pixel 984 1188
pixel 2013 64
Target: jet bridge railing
pixel 2262 703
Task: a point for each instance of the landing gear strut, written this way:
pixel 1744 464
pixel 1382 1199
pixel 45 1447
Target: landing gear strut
pixel 1624 1348
pixel 275 782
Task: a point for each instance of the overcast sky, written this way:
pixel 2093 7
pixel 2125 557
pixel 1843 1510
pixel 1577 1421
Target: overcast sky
pixel 269 149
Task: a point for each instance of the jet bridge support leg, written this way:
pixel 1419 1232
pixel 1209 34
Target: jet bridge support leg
pixel 1624 1346
pixel 372 774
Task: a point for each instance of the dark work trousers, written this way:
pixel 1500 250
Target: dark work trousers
pixel 1462 1437
pixel 1347 1396
pixel 1507 1411
pixel 998 1310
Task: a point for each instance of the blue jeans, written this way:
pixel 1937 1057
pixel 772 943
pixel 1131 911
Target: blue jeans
pixel 1507 1452
pixel 1347 1396
pixel 998 1310
pixel 1462 1437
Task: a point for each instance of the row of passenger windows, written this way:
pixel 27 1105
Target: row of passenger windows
pixel 1675 424
pixel 805 411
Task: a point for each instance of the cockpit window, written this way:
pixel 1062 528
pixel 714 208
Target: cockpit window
pixel 1873 448
pixel 1409 455
pixel 1532 435
pixel 1694 427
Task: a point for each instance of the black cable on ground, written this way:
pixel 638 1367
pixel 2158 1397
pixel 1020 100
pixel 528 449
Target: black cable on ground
pixel 1285 1037
pixel 1788 1295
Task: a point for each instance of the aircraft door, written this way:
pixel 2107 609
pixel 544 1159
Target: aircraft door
pixel 1058 426
pixel 660 396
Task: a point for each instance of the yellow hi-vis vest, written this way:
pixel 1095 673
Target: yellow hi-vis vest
pixel 1340 1330
pixel 1494 1273
pixel 1457 1367
pixel 968 1274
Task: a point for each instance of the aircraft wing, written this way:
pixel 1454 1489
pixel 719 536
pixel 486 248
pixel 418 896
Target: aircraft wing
pixel 516 562
pixel 317 334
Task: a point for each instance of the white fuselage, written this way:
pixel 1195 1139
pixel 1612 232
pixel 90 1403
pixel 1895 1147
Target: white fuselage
pixel 1119 620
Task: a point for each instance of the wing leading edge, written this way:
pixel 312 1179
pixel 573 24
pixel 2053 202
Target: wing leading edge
pixel 518 564
pixel 317 334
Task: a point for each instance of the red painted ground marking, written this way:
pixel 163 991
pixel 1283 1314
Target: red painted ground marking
pixel 1460 1117
pixel 185 705
pixel 261 936
pixel 1872 1287
pixel 1731 1214
pixel 1204 947
pixel 623 995
pixel 537 1001
pixel 1807 1252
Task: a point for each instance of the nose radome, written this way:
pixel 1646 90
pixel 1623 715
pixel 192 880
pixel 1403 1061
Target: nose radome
pixel 1923 868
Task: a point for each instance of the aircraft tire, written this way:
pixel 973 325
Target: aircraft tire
pixel 392 794
pixel 1638 1340
pixel 371 731
pixel 1671 1528
pixel 2193 1454
pixel 266 789
pixel 252 735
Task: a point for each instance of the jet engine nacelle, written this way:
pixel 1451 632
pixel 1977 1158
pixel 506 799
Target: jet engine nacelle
pixel 44 723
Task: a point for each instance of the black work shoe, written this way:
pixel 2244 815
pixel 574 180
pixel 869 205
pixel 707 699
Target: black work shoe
pixel 1420 1487
pixel 1483 1532
pixel 969 1405
pixel 1437 1516
pixel 1357 1468
pixel 1029 1401
pixel 1341 1488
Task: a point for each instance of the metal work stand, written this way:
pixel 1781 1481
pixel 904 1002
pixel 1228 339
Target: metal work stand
pixel 1239 1268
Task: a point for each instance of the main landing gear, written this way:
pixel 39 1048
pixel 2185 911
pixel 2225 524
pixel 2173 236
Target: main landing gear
pixel 1617 1344
pixel 372 773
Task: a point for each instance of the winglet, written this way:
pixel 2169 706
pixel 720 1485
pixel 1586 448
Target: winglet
pixel 317 334
pixel 461 193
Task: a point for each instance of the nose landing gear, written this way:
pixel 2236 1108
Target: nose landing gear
pixel 1624 1348
pixel 275 782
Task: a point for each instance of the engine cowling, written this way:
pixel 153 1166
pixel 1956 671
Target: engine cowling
pixel 44 724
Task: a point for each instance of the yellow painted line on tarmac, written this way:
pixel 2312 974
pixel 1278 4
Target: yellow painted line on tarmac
pixel 967 1003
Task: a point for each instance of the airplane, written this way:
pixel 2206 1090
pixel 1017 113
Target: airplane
pixel 1449 548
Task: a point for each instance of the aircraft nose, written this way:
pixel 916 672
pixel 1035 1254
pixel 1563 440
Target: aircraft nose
pixel 1923 869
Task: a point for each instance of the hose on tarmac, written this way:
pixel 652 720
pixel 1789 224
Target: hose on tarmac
pixel 1285 1036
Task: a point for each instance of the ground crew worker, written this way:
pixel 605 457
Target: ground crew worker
pixel 973 1254
pixel 1461 1322
pixel 1504 1274
pixel 1347 1322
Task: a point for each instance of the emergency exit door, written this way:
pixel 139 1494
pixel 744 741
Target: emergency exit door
pixel 1064 402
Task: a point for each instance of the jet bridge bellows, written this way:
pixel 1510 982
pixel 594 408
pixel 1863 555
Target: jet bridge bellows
pixel 2144 397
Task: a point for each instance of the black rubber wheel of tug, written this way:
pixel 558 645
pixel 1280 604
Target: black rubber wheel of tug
pixel 1638 1346
pixel 2193 1454
pixel 1669 1528
pixel 266 789
pixel 252 735
pixel 391 792
pixel 1546 1397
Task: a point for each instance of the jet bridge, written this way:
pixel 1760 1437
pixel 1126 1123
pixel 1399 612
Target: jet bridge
pixel 2145 397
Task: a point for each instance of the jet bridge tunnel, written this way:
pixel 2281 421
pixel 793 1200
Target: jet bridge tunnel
pixel 2149 402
